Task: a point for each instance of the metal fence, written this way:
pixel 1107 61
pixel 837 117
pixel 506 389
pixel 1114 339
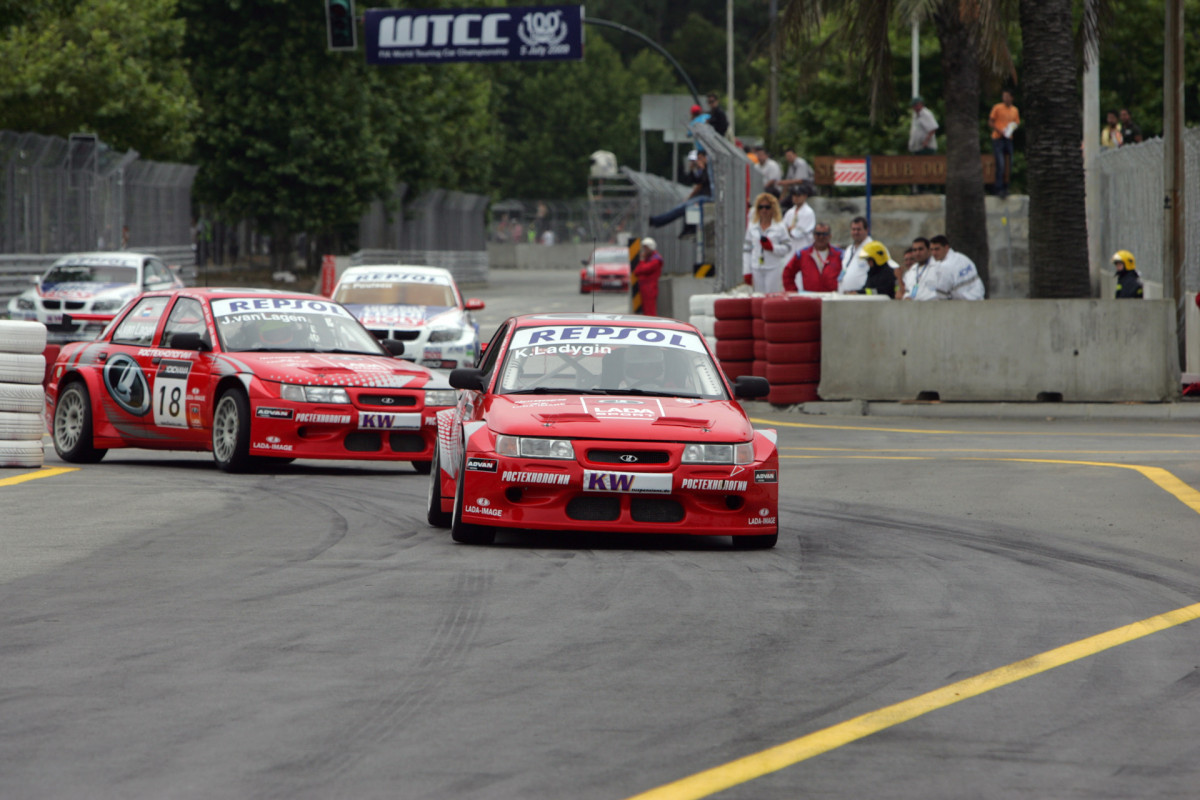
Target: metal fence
pixel 1131 202
pixel 543 222
pixel 63 195
pixel 654 196
pixel 736 181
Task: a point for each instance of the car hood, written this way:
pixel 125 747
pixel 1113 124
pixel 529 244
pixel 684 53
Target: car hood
pixel 604 268
pixel 335 369
pixel 86 291
pixel 406 316
pixel 618 417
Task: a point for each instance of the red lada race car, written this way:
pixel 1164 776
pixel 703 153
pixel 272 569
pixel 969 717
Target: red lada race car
pixel 604 423
pixel 250 375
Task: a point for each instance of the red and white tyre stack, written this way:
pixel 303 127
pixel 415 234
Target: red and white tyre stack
pixel 792 330
pixel 22 398
pixel 734 329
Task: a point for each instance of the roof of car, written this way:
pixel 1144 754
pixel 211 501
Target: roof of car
pixel 104 257
pixel 584 318
pixel 417 268
pixel 213 292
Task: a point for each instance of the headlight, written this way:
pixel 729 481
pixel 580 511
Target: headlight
pixel 107 305
pixel 441 397
pixel 444 334
pixel 719 453
pixel 25 304
pixel 313 394
pixel 526 447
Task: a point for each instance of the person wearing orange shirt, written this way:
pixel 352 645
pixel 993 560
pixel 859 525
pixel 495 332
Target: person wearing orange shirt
pixel 1003 120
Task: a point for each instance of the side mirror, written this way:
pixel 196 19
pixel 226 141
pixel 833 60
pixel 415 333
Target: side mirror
pixel 474 304
pixel 750 387
pixel 191 340
pixel 393 346
pixel 467 378
pixel 584 262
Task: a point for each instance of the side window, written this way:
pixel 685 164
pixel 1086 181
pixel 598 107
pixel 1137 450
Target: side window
pixel 186 317
pixel 156 273
pixel 488 361
pixel 138 326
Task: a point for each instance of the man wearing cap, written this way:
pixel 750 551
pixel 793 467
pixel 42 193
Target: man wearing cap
pixel 701 192
pixel 649 268
pixel 699 115
pixel 800 219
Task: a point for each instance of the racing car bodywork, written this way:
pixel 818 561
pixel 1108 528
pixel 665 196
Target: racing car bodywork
pixel 420 306
pixel 606 423
pixel 87 284
pixel 250 375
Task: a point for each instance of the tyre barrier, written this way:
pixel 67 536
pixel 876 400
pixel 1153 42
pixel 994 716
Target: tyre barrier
pixel 734 329
pixel 792 330
pixel 23 371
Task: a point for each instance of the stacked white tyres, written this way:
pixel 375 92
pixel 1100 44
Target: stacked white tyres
pixel 734 329
pixel 792 326
pixel 22 399
pixel 700 310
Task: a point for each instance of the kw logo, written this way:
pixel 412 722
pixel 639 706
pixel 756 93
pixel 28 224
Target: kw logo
pixel 609 482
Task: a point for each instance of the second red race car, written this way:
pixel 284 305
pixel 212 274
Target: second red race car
pixel 253 376
pixel 610 423
pixel 607 270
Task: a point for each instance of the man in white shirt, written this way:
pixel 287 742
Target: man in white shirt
pixel 922 133
pixel 771 170
pixel 854 269
pixel 800 219
pixel 953 276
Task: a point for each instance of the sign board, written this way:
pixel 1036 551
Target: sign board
pixel 850 172
pixel 425 36
pixel 897 170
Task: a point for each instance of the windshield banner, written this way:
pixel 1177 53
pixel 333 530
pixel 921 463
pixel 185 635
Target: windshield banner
pixel 536 33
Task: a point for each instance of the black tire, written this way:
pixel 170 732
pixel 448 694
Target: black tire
pixel 466 532
pixel 422 467
pixel 764 542
pixel 433 498
pixel 73 425
pixel 231 432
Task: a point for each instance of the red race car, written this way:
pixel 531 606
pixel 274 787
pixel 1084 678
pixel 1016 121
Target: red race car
pixel 250 375
pixel 607 270
pixel 606 423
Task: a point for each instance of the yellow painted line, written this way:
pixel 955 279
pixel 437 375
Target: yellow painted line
pixel 743 770
pixel 1045 434
pixel 33 476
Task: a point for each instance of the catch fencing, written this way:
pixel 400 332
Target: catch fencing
pixel 438 228
pixel 1131 205
pixel 654 196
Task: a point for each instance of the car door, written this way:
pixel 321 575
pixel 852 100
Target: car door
pixel 181 378
pixel 127 369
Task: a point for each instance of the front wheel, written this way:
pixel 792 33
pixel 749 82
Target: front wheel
pixel 764 542
pixel 433 498
pixel 466 532
pixel 73 426
pixel 231 432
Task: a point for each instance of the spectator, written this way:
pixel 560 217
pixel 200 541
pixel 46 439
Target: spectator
pixel 699 115
pixel 1110 134
pixel 1129 283
pixel 772 172
pixel 854 269
pixel 922 132
pixel 767 247
pixel 881 277
pixel 800 218
pixel 716 114
pixel 818 265
pixel 701 193
pixel 919 269
pixel 953 276
pixel 648 270
pixel 1003 120
pixel 798 172
pixel 1130 132
pixel 904 269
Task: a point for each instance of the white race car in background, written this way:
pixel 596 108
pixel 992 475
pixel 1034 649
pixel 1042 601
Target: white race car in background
pixel 88 284
pixel 420 306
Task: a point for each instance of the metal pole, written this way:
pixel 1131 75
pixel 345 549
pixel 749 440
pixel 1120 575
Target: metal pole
pixel 661 50
pixel 1091 154
pixel 773 75
pixel 729 66
pixel 916 56
pixel 1174 230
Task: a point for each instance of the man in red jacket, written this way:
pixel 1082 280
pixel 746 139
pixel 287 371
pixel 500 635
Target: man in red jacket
pixel 647 271
pixel 818 266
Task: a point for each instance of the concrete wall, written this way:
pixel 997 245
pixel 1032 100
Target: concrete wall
pixel 538 256
pixel 1000 350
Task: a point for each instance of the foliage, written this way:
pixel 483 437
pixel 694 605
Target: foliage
pixel 107 67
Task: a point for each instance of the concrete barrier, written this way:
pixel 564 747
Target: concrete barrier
pixel 1000 350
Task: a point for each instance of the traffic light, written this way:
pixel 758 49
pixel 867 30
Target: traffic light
pixel 339 19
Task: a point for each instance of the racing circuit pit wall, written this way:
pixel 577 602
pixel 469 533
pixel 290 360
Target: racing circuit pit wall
pixel 1102 351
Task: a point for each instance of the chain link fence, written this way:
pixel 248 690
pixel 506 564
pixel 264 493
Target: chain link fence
pixel 439 228
pixel 1131 203
pixel 736 181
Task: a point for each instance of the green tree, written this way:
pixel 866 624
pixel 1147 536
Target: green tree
pixel 108 67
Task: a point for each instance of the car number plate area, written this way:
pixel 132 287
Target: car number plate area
pixel 54 319
pixel 626 482
pixel 380 421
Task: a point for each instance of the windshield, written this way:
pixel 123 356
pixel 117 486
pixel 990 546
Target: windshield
pixel 368 290
pixel 601 359
pixel 91 273
pixel 290 324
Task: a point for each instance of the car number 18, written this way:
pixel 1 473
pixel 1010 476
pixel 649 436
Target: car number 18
pixel 170 392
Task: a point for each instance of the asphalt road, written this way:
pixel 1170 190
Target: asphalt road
pixel 926 628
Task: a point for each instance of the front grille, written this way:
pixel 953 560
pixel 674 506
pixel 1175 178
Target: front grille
pixel 655 509
pixel 406 442
pixel 389 400
pixel 53 305
pixel 628 456
pixel 364 442
pixel 594 509
pixel 75 305
pixel 405 336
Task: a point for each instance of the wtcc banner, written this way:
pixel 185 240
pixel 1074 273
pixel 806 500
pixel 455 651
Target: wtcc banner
pixel 535 33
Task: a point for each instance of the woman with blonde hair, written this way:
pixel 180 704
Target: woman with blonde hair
pixel 768 246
